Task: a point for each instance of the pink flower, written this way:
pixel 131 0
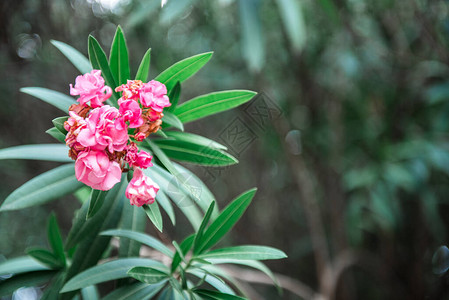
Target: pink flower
pixel 131 112
pixel 96 170
pixel 141 189
pixel 130 90
pixel 74 125
pixel 154 95
pixel 140 159
pixel 105 129
pixel 90 87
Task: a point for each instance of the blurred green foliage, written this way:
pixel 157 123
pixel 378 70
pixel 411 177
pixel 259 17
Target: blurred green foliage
pixel 363 87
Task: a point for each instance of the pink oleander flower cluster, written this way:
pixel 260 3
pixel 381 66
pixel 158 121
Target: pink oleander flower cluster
pixel 99 138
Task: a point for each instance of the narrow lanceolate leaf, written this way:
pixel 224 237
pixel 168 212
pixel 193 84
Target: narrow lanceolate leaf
pixel 43 188
pixel 195 139
pixel 135 291
pixel 174 95
pixel 95 202
pixel 249 263
pixel 185 246
pixel 183 69
pixel 147 274
pixel 161 156
pixel 9 286
pixel 245 252
pixel 133 219
pixel 225 221
pixel 55 239
pixel 292 17
pixel 210 104
pixel 45 257
pixel 50 152
pixel 90 292
pixel 144 68
pixel 57 99
pixel 76 58
pixel 54 132
pixel 141 238
pixel 59 124
pixel 171 120
pixel 111 270
pixel 212 279
pixel 204 223
pixel 215 295
pixel 153 212
pixel 19 265
pixel 91 248
pixel 179 191
pixel 118 59
pixel 99 61
pixel 195 153
pixel 163 200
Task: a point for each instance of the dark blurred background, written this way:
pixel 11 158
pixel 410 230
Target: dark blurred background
pixel 347 140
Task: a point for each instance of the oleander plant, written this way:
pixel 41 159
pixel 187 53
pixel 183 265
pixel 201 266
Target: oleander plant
pixel 118 138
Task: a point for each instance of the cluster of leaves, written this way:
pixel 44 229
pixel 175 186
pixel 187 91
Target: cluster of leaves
pixel 71 266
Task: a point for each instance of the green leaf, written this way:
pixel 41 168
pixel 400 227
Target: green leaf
pixel 204 223
pixel 178 191
pixel 172 120
pixel 249 263
pixel 252 38
pixel 23 264
pixel 91 248
pixel 213 280
pixel 45 257
pixel 194 153
pixel 195 139
pixel 174 95
pixel 136 291
pixel 292 17
pixel 144 68
pixel 83 194
pixel 134 219
pixel 170 293
pixel 55 239
pixel 249 252
pixel 53 287
pixel 118 59
pixel 43 188
pixel 214 295
pixel 99 61
pixel 50 152
pixel 147 274
pixel 141 238
pixel 59 124
pixel 108 271
pixel 75 57
pixel 163 200
pixel 153 212
pixel 57 99
pixel 95 202
pixel 205 196
pixel 90 292
pixel 225 221
pixel 210 104
pixel 185 246
pixel 84 228
pixel 54 132
pixel 7 287
pixel 183 69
